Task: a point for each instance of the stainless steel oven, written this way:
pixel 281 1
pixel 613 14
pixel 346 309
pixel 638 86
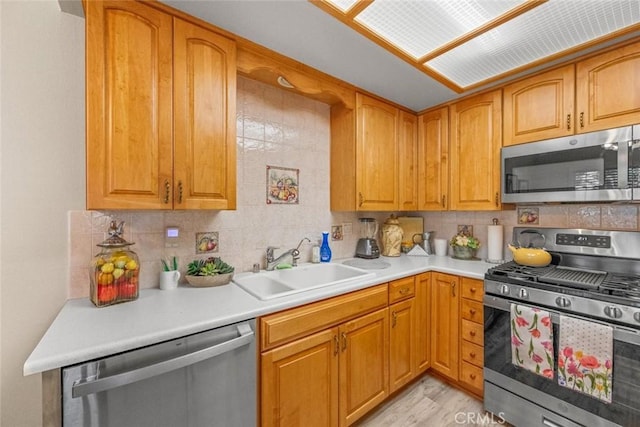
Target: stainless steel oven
pixel 595 166
pixel 524 398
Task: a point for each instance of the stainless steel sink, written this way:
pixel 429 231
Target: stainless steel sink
pixel 278 283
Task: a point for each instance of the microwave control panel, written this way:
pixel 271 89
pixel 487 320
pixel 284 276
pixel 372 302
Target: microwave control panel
pixel 590 241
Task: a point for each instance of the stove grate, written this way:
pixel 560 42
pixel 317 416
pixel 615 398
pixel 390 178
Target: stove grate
pixel 578 278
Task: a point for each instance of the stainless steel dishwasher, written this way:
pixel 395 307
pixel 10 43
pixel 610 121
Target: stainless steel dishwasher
pixel 201 380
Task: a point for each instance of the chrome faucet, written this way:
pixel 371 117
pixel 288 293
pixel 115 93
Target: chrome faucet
pixel 292 254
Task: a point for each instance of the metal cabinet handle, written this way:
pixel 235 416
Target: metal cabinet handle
pixel 336 343
pixel 167 190
pixel 453 289
pixel 344 341
pixel 394 319
pixel 472 333
pixel 404 291
pixel 497 198
pixel 569 121
pixel 582 119
pixel 84 387
pixel 443 201
pixel 360 199
pixel 179 191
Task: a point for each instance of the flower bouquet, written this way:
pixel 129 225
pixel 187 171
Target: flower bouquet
pixel 464 246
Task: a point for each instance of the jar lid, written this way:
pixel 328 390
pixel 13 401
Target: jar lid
pixel 115 239
pixel 392 220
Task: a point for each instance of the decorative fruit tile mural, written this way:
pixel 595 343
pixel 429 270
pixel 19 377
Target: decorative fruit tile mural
pixel 207 242
pixel 282 185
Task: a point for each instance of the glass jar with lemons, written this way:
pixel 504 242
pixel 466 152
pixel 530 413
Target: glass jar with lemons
pixel 115 270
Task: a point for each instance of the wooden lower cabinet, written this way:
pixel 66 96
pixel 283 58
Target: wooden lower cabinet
pixel 471 335
pixel 331 377
pixel 445 300
pixel 422 316
pixel 300 382
pixel 364 365
pixel 363 346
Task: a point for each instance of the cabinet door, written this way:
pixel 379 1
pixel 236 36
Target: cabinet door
pixel 129 92
pixel 408 162
pixel 401 344
pixel 433 155
pixel 476 138
pixel 364 365
pixel 540 107
pixel 376 155
pixel 608 89
pixel 299 385
pixel 423 323
pixel 205 119
pixel 444 322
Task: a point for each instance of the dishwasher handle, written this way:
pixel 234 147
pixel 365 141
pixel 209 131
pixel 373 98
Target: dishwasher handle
pixel 84 388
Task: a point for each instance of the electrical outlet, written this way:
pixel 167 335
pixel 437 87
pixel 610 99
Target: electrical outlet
pixel 347 229
pixel 467 230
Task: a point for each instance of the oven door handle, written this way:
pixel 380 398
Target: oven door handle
pixel 620 333
pixel 83 388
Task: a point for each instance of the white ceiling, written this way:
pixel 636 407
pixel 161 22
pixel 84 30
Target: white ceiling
pixel 302 31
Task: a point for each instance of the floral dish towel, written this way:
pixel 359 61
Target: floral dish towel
pixel 532 340
pixel 585 359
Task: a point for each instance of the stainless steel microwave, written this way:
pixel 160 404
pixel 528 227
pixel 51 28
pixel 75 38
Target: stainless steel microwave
pixel 590 167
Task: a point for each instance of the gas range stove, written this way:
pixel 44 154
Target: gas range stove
pixel 593 273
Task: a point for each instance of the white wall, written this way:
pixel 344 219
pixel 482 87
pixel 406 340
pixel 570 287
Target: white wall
pixel 41 179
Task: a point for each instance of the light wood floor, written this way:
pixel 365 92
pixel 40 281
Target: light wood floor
pixel 430 402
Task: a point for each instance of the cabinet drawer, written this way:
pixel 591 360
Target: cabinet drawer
pixel 279 328
pixel 402 289
pixel 472 353
pixel 472 310
pixel 472 331
pixel 472 289
pixel 471 375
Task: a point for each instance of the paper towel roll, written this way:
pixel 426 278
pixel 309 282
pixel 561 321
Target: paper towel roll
pixel 495 243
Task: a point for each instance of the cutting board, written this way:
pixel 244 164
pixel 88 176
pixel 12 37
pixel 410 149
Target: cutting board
pixel 411 225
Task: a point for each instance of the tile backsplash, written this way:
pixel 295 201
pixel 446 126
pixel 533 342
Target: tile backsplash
pixel 280 128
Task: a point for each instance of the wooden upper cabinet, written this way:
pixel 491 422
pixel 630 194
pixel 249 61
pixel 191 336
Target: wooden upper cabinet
pixel 160 111
pixel 540 107
pixel 129 105
pixel 433 163
pixel 475 142
pixel 205 122
pixel 376 154
pixel 608 89
pixel 408 162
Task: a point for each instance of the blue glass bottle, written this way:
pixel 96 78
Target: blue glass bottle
pixel 325 250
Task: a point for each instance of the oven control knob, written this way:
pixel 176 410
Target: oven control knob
pixel 613 312
pixel 504 290
pixel 522 293
pixel 636 316
pixel 563 302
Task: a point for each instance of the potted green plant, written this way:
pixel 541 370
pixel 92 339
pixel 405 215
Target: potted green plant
pixel 211 271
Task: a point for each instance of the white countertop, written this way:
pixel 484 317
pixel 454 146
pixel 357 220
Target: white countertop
pixel 83 332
